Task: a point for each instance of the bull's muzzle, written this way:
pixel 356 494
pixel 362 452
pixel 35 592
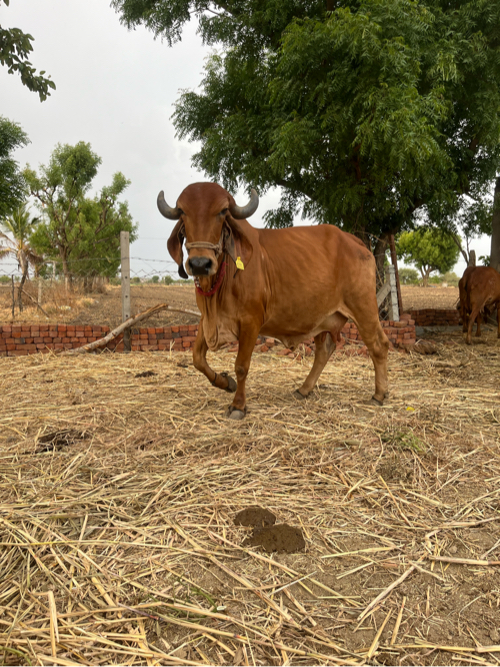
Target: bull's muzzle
pixel 200 266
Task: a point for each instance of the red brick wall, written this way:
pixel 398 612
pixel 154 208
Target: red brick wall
pixel 21 339
pixel 435 317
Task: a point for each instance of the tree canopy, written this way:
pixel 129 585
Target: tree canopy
pixel 363 111
pixel 81 233
pixel 15 46
pixel 429 250
pixel 12 186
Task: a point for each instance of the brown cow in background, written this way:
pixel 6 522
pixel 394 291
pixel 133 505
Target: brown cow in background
pixel 464 305
pixel 289 283
pixel 483 291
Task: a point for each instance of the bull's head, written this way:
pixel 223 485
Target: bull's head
pixel 207 218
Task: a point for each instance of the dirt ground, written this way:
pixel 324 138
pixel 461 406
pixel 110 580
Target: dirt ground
pixel 104 308
pixel 120 483
pixel 418 298
pixel 122 488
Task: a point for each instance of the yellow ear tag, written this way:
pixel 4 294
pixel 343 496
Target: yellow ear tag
pixel 239 264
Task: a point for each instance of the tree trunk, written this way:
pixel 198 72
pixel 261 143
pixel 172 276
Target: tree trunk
pixel 24 267
pixel 495 229
pixel 425 277
pixel 379 254
pixel 67 275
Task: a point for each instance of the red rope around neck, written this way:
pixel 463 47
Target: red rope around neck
pixel 218 282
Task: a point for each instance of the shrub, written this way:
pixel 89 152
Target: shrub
pixel 451 278
pixel 168 280
pixel 5 279
pixel 408 276
pixel 155 279
pixel 135 280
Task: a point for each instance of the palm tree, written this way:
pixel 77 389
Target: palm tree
pixel 20 225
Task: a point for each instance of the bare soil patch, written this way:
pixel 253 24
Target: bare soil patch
pixel 105 308
pixel 118 495
pixel 418 298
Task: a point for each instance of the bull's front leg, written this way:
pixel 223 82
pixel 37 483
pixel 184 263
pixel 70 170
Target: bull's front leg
pixel 200 349
pixel 247 339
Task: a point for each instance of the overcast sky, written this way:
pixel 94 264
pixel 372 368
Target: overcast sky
pixel 115 90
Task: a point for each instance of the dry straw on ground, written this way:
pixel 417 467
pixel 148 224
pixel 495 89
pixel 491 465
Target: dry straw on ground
pixel 119 489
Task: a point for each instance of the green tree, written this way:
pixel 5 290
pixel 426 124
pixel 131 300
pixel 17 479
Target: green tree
pixel 15 46
pixel 408 276
pixel 80 232
pixel 429 250
pixel 12 186
pixel 17 230
pixel 363 111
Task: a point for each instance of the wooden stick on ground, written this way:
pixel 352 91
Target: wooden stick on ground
pixel 89 347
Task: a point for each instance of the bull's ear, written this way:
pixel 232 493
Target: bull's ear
pixel 238 245
pixel 174 245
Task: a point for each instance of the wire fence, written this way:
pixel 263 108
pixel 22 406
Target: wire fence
pixel 141 268
pixel 91 298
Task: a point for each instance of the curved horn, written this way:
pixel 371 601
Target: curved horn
pixel 166 210
pixel 242 212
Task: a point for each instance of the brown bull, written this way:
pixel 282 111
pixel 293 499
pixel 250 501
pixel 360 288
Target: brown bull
pixel 464 304
pixel 289 283
pixel 483 291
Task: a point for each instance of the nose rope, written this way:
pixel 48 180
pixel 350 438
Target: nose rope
pixel 216 247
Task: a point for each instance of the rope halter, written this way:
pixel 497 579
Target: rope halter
pixel 205 245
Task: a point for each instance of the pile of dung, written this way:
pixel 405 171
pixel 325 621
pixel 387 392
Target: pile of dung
pixel 267 534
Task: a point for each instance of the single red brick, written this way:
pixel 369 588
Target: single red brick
pixel 7 328
pixel 10 346
pixel 175 329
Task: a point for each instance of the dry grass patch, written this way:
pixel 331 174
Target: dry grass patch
pixel 118 495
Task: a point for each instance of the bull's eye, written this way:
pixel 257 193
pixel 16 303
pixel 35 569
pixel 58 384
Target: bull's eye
pixel 224 211
pixel 180 211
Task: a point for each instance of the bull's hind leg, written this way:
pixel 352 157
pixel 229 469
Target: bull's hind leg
pixel 200 349
pixel 378 347
pixel 325 346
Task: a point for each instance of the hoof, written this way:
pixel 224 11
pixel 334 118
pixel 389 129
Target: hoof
pixel 375 401
pixel 231 384
pixel 235 413
pixel 296 394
